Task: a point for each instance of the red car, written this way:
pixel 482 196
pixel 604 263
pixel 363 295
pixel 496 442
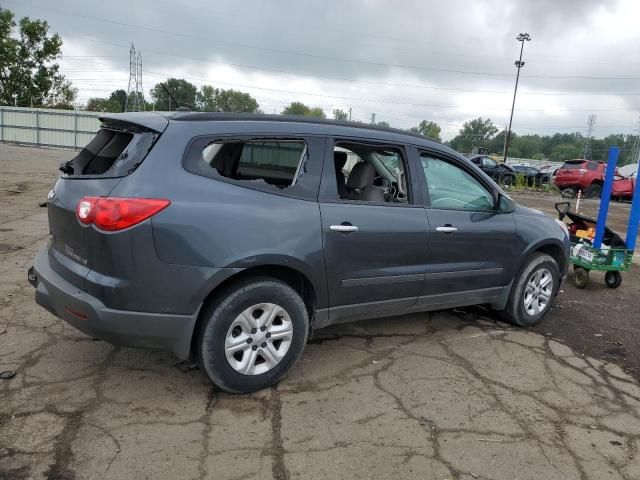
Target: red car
pixel 585 175
pixel 623 188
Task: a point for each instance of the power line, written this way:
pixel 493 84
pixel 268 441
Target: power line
pixel 370 82
pixel 323 57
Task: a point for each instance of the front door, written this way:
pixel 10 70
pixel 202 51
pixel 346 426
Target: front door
pixel 375 243
pixel 472 247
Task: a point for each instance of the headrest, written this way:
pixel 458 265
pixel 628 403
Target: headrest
pixel 361 175
pixel 339 159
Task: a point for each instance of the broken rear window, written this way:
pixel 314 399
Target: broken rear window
pixel 267 164
pixel 111 153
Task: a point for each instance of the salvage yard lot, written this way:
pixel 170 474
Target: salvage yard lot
pixel 452 394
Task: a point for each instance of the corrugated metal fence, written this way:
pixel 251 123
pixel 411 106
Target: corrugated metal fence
pixel 47 127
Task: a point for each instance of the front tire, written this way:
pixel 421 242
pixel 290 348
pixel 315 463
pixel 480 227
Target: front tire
pixel 508 181
pixel 253 335
pixel 533 291
pixel 580 277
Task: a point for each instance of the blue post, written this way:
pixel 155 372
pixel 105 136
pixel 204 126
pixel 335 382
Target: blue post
pixel 634 217
pixel 605 197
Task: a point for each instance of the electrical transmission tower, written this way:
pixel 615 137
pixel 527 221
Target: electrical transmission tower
pixel 135 93
pixel 586 150
pixel 634 155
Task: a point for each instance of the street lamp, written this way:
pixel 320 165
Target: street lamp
pixel 523 37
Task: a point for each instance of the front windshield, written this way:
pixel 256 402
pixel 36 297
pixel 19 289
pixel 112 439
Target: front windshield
pixel 390 161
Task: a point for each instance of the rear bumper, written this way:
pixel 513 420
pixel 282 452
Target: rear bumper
pixel 119 327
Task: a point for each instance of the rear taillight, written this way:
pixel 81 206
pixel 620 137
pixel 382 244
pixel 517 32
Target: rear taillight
pixel 113 213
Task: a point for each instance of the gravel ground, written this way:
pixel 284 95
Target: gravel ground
pixel 452 394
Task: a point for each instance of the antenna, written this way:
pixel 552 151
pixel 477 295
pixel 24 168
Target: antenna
pixel 586 149
pixel 135 96
pixel 164 87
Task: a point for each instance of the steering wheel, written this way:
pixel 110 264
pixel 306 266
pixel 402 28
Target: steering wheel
pixel 386 185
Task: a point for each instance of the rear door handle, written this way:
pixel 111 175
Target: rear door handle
pixel 343 228
pixel 447 229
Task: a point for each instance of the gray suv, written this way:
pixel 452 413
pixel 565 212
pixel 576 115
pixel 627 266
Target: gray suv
pixel 231 237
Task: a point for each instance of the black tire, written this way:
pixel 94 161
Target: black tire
pixel 219 317
pixel 569 193
pixel 612 279
pixel 580 277
pixel 507 181
pixel 593 191
pixel 514 310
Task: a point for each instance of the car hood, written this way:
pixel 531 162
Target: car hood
pixel 530 212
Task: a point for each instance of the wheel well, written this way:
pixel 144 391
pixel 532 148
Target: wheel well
pixel 296 280
pixel 556 253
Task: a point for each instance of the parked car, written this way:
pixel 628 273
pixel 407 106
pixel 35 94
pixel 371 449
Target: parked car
pixel 231 237
pixel 623 188
pixel 548 173
pixel 532 175
pixel 500 172
pixel 629 171
pixel 584 175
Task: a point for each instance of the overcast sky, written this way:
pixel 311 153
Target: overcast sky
pixel 404 61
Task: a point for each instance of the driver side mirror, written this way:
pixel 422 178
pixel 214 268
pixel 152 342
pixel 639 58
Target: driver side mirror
pixel 505 204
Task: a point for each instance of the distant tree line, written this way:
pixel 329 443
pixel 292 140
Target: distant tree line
pixel 481 132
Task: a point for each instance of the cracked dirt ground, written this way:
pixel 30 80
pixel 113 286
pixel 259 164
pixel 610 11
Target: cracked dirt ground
pixel 430 396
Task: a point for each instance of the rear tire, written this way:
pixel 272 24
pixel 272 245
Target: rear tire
pixel 533 291
pixel 237 354
pixel 594 191
pixel 612 279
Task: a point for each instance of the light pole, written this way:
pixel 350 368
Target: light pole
pixel 523 37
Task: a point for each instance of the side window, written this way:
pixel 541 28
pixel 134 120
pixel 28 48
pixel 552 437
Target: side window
pixel 489 162
pixel 452 188
pixel 369 173
pixel 275 165
pixel 592 165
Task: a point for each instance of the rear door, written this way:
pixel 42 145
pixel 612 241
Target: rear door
pixel 375 251
pixel 472 247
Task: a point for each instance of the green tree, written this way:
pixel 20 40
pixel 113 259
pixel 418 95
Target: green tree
pixel 210 99
pixel 538 156
pixel 113 103
pixel 474 133
pixel 29 74
pixel 384 124
pixel 339 114
pixel 428 129
pixel 299 108
pixel 565 151
pixel 183 92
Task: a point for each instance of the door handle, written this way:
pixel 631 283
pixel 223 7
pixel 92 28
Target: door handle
pixel 345 228
pixel 447 229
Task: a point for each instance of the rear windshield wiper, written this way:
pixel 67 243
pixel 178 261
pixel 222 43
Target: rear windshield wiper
pixel 67 167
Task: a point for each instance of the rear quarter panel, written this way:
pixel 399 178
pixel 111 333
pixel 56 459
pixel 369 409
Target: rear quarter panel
pixel 211 223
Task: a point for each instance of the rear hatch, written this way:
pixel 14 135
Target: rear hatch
pixel 116 151
pixel 571 171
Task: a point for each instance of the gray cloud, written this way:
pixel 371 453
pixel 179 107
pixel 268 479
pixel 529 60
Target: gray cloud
pixel 349 54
